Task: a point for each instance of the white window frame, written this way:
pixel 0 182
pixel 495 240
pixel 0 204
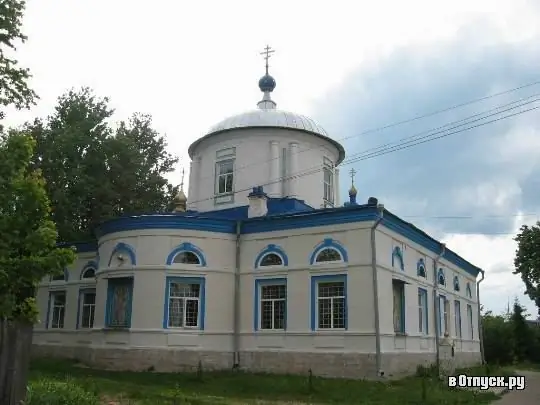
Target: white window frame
pixel 444 306
pixel 91 307
pixel 259 263
pixel 422 311
pixel 315 262
pixel 332 300
pixel 328 187
pixel 60 308
pixel 273 301
pixel 185 306
pixel 218 176
pixel 457 318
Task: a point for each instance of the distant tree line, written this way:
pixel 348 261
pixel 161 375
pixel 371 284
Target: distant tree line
pixel 509 338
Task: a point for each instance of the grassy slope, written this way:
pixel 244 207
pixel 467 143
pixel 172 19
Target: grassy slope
pixel 145 388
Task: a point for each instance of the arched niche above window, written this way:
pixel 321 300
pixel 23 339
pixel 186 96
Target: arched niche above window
pixel 421 269
pixel 441 278
pixel 89 273
pixel 468 290
pixel 456 284
pixel 271 259
pixel 328 255
pixel 397 258
pixel 186 258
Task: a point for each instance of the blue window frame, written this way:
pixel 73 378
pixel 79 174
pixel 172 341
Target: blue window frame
pixel 329 302
pixel 86 308
pixel 119 302
pixel 270 304
pixel 444 309
pixel 398 293
pixel 457 318
pixel 184 303
pixel 423 326
pixel 441 278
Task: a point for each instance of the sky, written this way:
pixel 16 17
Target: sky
pixel 352 66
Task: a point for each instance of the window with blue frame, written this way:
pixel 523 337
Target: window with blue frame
pixel 470 321
pixel 271 304
pixel 456 284
pixel 444 310
pixel 422 311
pixel 87 308
pixel 119 301
pixel 441 277
pixel 457 318
pixel 398 289
pixel 329 302
pixel 184 306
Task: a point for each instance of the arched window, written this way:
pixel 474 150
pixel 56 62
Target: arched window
pixel 456 284
pixel 271 259
pixel 90 272
pixel 397 258
pixel 328 255
pixel 468 290
pixel 421 268
pixel 441 277
pixel 186 258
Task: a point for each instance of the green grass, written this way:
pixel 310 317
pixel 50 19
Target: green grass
pixel 235 388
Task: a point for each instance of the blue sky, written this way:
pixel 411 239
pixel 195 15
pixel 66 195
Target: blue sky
pixel 350 66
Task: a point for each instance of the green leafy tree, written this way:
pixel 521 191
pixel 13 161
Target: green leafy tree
pixel 14 89
pixel 28 253
pixel 95 172
pixel 527 260
pixel 523 338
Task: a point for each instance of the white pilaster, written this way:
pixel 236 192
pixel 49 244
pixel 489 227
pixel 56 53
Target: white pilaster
pixel 275 185
pixel 193 190
pixel 337 200
pixel 294 172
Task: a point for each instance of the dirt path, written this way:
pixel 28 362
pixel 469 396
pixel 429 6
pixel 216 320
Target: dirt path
pixel 531 394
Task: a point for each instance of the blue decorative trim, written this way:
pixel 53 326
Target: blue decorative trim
pixel 285 221
pixel 315 280
pixel 125 248
pixel 328 243
pixel 81 292
pixel 425 306
pixel 267 281
pixel 271 248
pixel 201 281
pixel 421 269
pixel 456 284
pixel 401 285
pixel 187 247
pixel 112 283
pixel 80 247
pixel 92 264
pixel 468 290
pixel 441 277
pixel 398 254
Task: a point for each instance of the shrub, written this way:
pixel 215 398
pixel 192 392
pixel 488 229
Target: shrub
pixel 47 392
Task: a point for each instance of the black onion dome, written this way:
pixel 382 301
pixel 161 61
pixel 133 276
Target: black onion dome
pixel 267 83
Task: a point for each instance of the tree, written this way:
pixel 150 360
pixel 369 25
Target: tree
pixel 93 172
pixel 13 78
pixel 523 338
pixel 527 260
pixel 28 253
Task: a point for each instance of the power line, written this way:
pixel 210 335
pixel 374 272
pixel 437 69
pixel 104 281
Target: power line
pixel 395 124
pixel 318 168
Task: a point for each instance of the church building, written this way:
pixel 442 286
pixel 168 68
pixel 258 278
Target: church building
pixel 263 268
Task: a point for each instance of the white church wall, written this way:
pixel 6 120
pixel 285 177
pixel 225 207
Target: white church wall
pixel 298 245
pixel 413 339
pixel 253 161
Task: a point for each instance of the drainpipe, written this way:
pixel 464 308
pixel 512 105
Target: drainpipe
pixel 480 330
pixel 380 372
pixel 437 305
pixel 236 332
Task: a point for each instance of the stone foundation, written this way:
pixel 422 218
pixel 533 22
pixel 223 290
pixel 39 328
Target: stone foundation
pixel 340 365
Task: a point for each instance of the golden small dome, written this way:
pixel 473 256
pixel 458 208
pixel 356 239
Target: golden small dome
pixel 352 190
